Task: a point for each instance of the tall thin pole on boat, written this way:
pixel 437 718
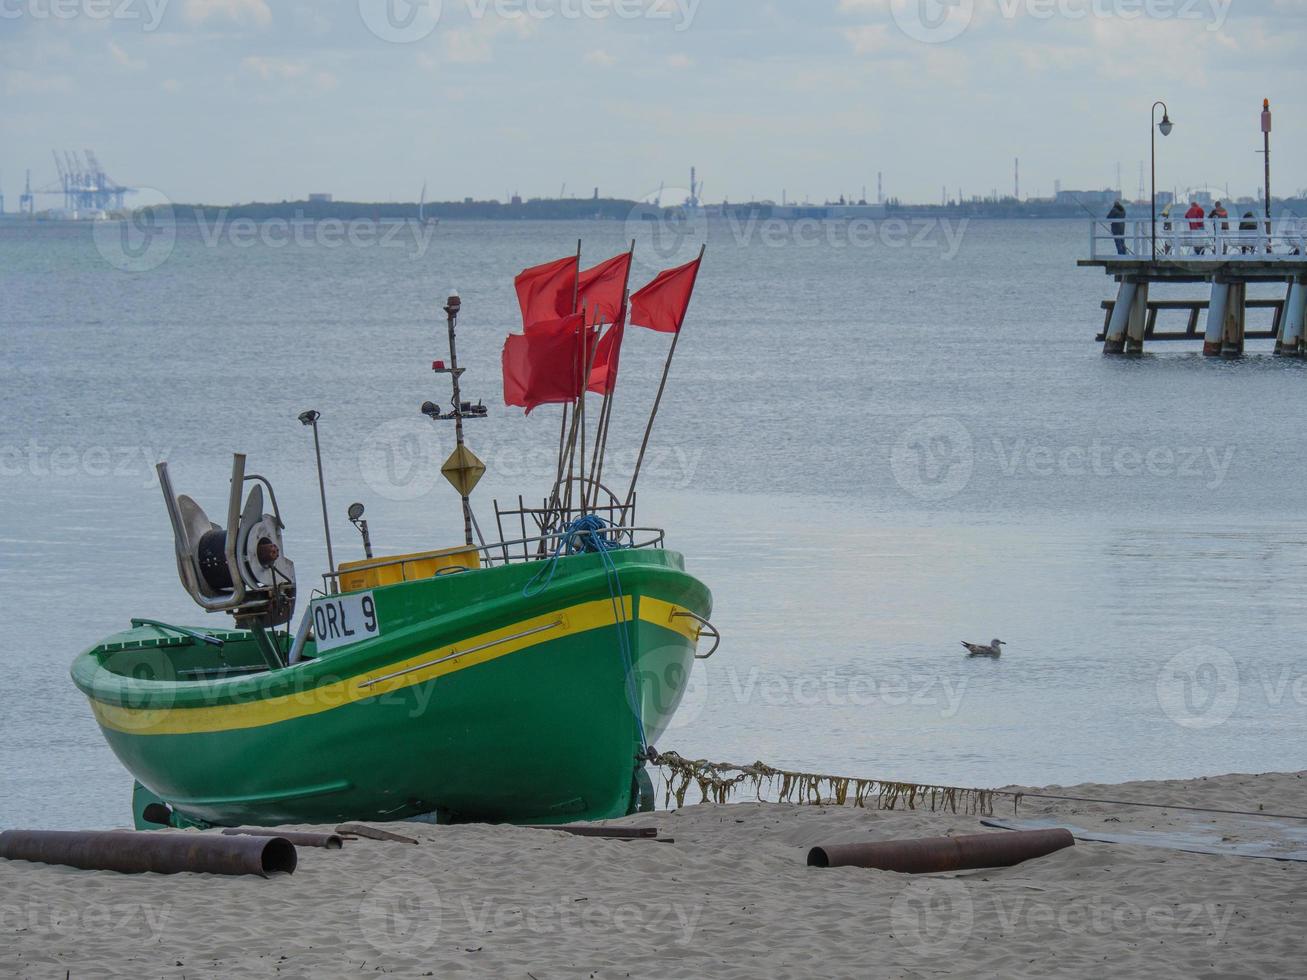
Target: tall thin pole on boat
pixel 588 352
pixel 578 424
pixel 452 308
pixel 648 429
pixel 564 441
pixel 310 419
pixel 605 413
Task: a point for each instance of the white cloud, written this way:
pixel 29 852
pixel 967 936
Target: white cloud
pixel 679 61
pixel 121 56
pixel 868 39
pixel 600 59
pixel 286 71
pixel 21 82
pixel 476 44
pixel 274 69
pixel 238 11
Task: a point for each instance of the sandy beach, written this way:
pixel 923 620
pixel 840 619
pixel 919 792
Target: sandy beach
pixel 732 897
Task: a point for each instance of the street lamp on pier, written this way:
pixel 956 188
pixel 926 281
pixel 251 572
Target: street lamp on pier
pixel 1165 126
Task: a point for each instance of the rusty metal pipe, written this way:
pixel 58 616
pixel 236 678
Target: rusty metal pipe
pixel 934 854
pixel 132 852
pixel 300 838
pixel 372 833
pixel 607 833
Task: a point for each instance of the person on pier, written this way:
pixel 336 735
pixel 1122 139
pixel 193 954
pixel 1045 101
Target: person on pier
pixel 1197 220
pixel 1248 224
pixel 1219 225
pixel 1117 216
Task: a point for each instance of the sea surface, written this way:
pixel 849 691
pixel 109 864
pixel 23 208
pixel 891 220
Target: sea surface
pixel 877 441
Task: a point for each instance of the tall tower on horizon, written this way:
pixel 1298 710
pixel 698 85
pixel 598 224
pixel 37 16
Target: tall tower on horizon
pixel 1016 172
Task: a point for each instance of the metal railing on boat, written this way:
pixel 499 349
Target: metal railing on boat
pixel 521 551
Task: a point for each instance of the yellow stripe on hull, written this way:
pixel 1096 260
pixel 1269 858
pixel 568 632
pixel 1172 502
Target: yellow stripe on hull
pixel 433 664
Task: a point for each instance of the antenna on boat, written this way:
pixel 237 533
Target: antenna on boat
pixel 463 469
pixel 356 518
pixel 310 419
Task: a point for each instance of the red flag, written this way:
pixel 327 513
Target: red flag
pixel 547 291
pixel 608 354
pixel 604 288
pixel 544 365
pixel 662 304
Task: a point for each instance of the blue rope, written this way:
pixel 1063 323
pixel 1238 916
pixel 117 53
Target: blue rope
pixel 594 535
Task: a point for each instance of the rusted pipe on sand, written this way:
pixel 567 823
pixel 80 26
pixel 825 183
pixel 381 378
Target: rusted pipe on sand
pixel 934 854
pixel 606 833
pixel 300 838
pixel 159 852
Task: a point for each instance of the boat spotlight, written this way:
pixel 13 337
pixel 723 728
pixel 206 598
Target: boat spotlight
pixel 310 417
pixel 431 410
pixel 356 518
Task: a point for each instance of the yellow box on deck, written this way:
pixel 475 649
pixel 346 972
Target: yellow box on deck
pixel 377 572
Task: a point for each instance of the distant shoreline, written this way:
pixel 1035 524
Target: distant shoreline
pixel 607 209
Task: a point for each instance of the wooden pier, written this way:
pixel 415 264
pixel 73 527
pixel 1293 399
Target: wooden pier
pixel 1226 260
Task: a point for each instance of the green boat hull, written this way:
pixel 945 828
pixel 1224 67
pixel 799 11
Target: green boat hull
pixel 489 696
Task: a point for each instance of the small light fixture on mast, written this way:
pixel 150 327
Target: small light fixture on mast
pixel 356 512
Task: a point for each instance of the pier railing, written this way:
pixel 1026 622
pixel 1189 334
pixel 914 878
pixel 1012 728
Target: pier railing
pixel 1183 239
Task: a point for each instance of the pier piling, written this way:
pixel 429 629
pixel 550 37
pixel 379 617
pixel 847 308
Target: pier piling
pixel 1289 342
pixel 1207 253
pixel 1122 317
pixel 1138 324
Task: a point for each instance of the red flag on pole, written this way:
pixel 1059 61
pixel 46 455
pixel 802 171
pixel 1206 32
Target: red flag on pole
pixel 662 304
pixel 544 365
pixel 608 354
pixel 603 288
pixel 546 292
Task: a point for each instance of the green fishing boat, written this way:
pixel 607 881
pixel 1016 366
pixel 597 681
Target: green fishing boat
pixel 518 680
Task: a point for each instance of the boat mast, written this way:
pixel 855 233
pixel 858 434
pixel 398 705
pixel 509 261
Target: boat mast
pixel 463 469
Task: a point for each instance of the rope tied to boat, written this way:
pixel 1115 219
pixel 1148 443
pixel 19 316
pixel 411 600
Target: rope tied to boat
pixel 592 534
pixel 719 782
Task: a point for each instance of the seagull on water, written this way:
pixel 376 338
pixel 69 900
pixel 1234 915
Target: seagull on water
pixel 993 651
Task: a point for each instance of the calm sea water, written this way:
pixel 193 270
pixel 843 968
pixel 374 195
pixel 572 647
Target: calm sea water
pixel 874 445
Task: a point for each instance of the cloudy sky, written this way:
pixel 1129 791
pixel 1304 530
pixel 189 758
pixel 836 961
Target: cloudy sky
pixel 238 100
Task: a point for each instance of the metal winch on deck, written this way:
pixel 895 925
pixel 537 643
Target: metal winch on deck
pixel 241 568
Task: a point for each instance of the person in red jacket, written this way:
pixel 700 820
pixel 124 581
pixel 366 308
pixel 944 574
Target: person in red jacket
pixel 1196 214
